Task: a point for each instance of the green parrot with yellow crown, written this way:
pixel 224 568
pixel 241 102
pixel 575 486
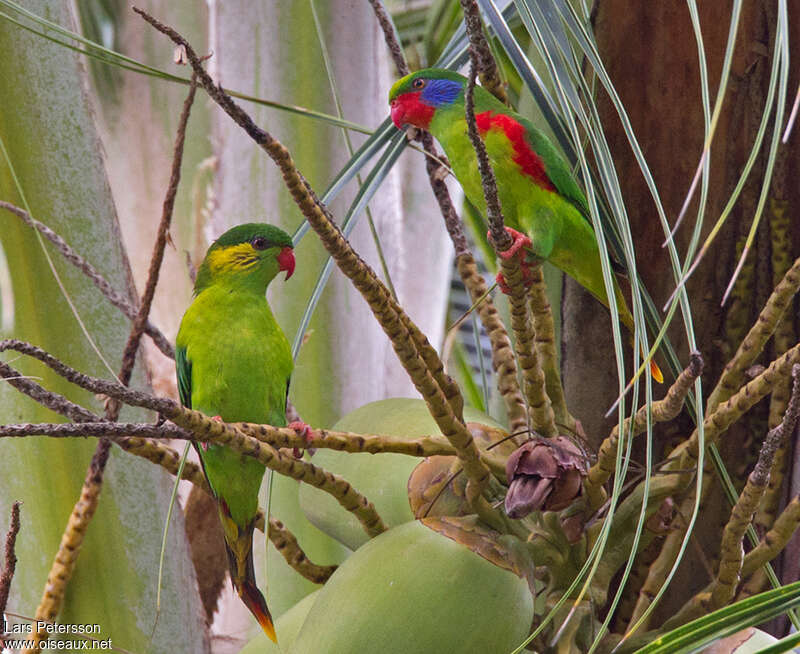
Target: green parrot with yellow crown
pixel 233 363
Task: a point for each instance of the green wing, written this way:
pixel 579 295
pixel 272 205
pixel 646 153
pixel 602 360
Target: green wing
pixel 555 165
pixel 561 175
pixel 184 369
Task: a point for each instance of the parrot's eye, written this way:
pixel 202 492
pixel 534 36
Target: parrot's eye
pixel 259 243
pixel 418 83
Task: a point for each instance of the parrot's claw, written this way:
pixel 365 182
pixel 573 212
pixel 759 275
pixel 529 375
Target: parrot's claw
pixel 518 248
pixel 205 445
pixel 527 278
pixel 520 243
pixel 303 430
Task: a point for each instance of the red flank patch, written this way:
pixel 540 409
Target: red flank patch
pixel 524 156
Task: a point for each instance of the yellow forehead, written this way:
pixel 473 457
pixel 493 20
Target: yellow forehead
pixel 233 257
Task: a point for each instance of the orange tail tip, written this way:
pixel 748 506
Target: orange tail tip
pixel 656 372
pixel 254 600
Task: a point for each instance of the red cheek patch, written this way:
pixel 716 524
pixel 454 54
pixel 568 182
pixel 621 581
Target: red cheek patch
pixel 408 109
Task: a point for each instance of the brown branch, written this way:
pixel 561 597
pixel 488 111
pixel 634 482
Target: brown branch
pixel 123 304
pixel 539 406
pixel 415 353
pixel 207 429
pixel 52 401
pixel 135 440
pixel 503 361
pixel 780 225
pixel 339 488
pixel 752 344
pixel 717 422
pixel 684 463
pixel 502 355
pixel 436 171
pixel 391 37
pixel 487 67
pixel 288 547
pixel 494 212
pixel 93 384
pixel 164 456
pixel 10 564
pixel 283 539
pixel 111 430
pixel 723 588
pixel 545 342
pixel 661 411
pixel 139 322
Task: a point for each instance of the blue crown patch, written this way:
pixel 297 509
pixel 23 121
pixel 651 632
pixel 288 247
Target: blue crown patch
pixel 438 92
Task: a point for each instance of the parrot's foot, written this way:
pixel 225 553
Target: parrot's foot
pixel 520 243
pixel 303 430
pixel 527 279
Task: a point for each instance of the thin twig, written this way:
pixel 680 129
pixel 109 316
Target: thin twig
pixel 452 220
pixel 52 401
pixel 136 442
pixel 93 384
pixel 123 304
pixel 139 322
pixel 487 67
pixel 723 588
pixel 214 431
pixel 494 213
pixel 433 163
pixel 545 342
pixel 111 430
pixel 288 547
pixel 503 361
pixel 539 406
pixel 390 35
pixel 10 564
pixel 661 411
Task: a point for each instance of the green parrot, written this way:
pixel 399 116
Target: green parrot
pixel 233 363
pixel 537 191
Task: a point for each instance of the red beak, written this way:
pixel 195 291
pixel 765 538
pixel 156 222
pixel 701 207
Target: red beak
pixel 398 113
pixel 286 261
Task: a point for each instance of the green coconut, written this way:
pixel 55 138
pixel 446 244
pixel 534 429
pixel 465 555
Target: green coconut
pixel 382 478
pixel 412 589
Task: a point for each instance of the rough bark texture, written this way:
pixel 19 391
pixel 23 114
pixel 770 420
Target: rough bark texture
pixel 651 55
